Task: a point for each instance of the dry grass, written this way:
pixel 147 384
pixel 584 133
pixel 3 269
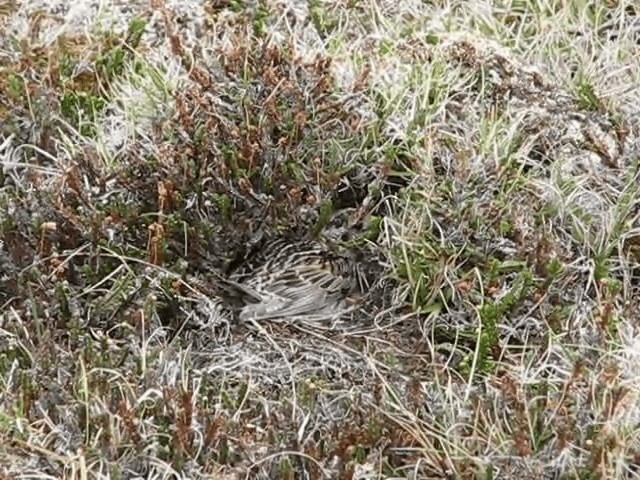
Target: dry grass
pixel 491 149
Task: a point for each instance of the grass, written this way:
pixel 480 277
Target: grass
pixel 486 152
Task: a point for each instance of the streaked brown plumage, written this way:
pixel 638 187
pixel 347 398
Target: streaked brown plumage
pixel 296 280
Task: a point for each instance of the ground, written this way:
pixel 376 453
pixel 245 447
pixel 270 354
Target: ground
pixel 489 152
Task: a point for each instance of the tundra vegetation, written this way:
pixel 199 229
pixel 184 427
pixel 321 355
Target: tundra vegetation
pixel 489 151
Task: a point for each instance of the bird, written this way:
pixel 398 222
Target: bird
pixel 301 279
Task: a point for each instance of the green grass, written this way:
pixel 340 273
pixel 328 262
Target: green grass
pixel 484 152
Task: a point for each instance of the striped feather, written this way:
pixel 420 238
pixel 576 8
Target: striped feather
pixel 296 280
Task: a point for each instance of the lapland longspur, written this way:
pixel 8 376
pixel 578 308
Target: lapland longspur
pixel 303 279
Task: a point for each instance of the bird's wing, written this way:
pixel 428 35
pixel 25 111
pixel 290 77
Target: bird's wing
pixel 232 288
pixel 297 291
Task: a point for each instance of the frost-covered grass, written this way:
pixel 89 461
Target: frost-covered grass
pixel 488 152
